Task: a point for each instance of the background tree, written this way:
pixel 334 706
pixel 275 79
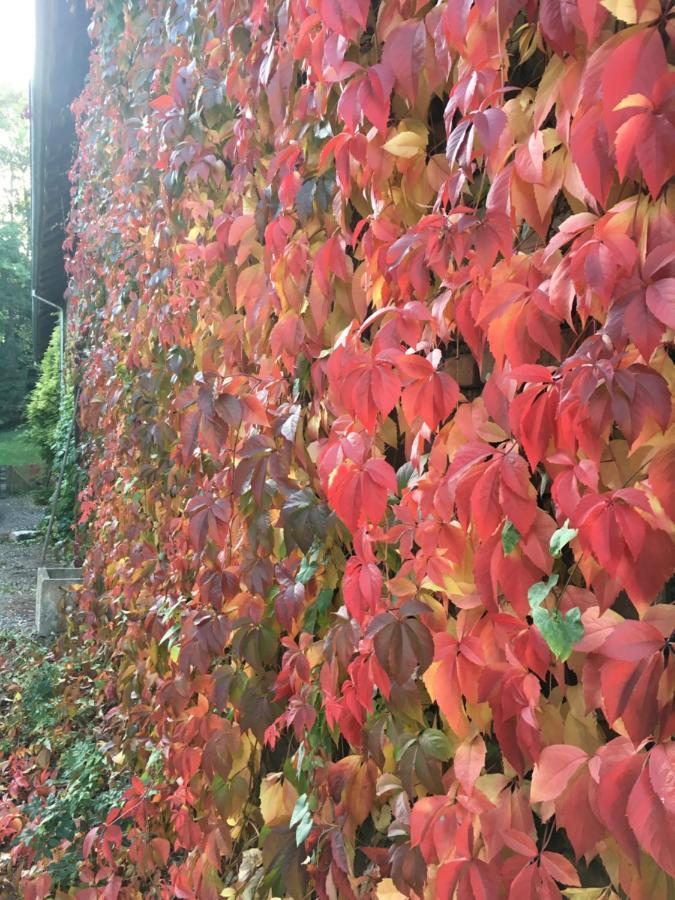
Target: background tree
pixel 42 409
pixel 16 367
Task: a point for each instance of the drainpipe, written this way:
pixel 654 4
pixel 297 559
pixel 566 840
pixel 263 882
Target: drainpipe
pixel 63 332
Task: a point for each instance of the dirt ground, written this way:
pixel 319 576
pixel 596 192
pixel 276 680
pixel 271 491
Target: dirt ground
pixel 18 564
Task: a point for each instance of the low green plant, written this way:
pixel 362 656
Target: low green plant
pixel 50 725
pixel 50 415
pixel 35 710
pixel 84 792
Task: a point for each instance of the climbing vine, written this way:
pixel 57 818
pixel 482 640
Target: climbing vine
pixel 373 304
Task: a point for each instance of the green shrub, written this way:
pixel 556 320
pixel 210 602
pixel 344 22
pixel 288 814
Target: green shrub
pixel 65 511
pixel 43 407
pixel 50 414
pixel 50 722
pixel 83 795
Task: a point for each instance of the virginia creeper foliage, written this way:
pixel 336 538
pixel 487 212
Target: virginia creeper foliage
pixel 374 303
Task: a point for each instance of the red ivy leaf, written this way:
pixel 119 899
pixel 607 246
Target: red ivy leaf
pixel 358 493
pixel 404 53
pixel 554 769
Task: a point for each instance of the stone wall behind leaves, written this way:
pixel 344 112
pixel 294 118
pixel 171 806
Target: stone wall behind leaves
pixel 373 303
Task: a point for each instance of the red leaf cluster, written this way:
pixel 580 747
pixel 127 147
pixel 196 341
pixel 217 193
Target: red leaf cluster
pixel 373 304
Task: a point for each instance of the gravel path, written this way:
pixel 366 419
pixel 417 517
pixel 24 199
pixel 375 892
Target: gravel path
pixel 18 564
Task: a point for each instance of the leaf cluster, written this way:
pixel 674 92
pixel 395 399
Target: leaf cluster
pixel 373 306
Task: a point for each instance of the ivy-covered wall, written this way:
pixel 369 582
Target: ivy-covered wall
pixel 373 303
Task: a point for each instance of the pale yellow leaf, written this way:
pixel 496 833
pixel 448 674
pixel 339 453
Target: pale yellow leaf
pixel 406 144
pixel 627 10
pixel 277 799
pixel 633 100
pixel 591 893
pixel 387 891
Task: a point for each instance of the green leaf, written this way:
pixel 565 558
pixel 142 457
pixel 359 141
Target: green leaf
pixel 309 564
pixel 319 608
pixel 560 632
pixel 398 752
pixel 306 571
pixel 539 591
pixel 170 634
pixel 435 744
pixel 561 538
pixel 303 829
pixel 510 537
pixel 301 807
pixel 304 518
pixel 302 818
pixel 405 475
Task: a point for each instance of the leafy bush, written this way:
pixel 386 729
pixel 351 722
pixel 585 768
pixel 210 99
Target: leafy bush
pixel 65 512
pixel 42 411
pixel 81 797
pixel 56 779
pixel 50 414
pixel 375 310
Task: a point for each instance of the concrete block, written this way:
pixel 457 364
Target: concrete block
pixel 53 587
pixel 25 535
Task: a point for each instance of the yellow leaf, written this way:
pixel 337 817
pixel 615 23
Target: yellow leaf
pixel 580 728
pixel 633 100
pixel 491 785
pixel 623 10
pixel 388 432
pixel 387 891
pixel 315 653
pixel 594 893
pixel 381 817
pixel 277 799
pixel 626 10
pixel 359 792
pixel 406 144
pixel 519 112
pixel 43 758
pixel 528 42
pixel 402 588
pixel 480 715
pixel 242 752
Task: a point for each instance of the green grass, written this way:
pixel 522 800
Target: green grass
pixel 16 448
